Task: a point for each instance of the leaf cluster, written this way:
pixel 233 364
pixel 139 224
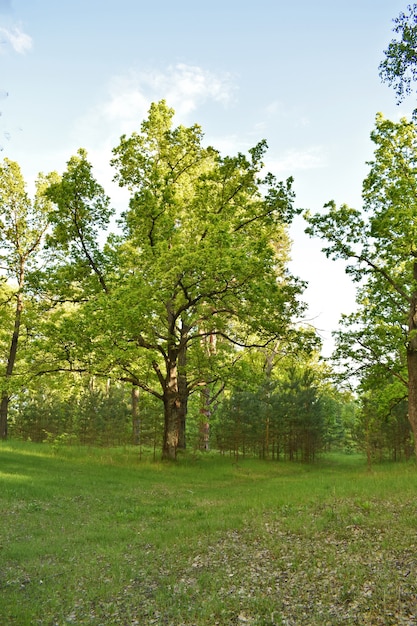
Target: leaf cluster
pixel 399 68
pixel 378 244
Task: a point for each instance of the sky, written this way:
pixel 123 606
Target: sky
pixel 302 75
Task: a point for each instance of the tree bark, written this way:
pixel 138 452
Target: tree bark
pixel 205 412
pixel 206 400
pixel 412 364
pixel 182 391
pixel 171 427
pixel 135 416
pixel 5 396
pixel 4 405
pixel 172 408
pixel 412 392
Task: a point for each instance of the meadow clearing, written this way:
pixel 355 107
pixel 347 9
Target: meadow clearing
pixel 100 537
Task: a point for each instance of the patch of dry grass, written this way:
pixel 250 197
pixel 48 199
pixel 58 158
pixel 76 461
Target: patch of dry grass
pixel 263 574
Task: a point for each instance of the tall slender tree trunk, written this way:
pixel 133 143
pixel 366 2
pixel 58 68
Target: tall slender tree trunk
pixel 206 399
pixel 183 387
pixel 11 359
pixel 268 369
pixel 412 388
pixel 135 416
pixel 205 412
pixel 412 364
pixel 4 407
pixel 182 417
pixel 266 441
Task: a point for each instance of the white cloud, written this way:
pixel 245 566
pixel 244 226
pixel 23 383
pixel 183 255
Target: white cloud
pixel 184 87
pixel 275 108
pixel 296 115
pixel 20 41
pixel 296 160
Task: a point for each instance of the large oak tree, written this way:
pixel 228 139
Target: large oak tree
pixel 204 254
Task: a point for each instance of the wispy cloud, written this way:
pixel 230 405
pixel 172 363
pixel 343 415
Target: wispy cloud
pixel 296 160
pixel 184 87
pixel 20 41
pixel 296 116
pixel 275 108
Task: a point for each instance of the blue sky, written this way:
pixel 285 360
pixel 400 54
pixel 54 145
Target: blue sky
pixel 303 75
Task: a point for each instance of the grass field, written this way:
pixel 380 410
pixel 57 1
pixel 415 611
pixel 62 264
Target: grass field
pixel 92 536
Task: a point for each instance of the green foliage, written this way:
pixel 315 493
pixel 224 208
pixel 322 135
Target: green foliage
pixel 23 224
pixel 340 420
pixel 77 413
pixel 380 240
pixel 377 342
pixel 197 280
pixel 293 416
pixel 399 68
pixel 199 269
pixel 199 228
pixel 204 255
pixel 382 428
pixel 81 212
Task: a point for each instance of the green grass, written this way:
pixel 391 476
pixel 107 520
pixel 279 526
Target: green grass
pixel 92 536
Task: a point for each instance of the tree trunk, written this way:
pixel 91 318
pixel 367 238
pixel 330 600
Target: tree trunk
pixel 266 442
pixel 5 396
pixel 183 393
pixel 171 428
pixel 412 364
pixel 205 412
pixel 268 368
pixel 4 405
pixel 412 392
pixel 182 417
pixel 135 416
pixel 206 400
pixel 172 409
